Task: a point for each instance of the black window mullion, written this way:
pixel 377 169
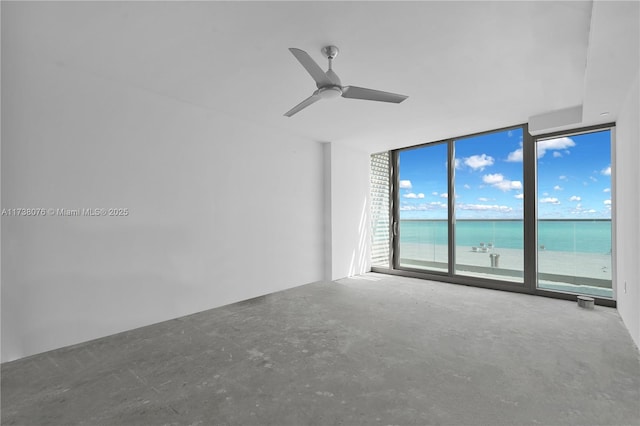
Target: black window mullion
pixel 451 171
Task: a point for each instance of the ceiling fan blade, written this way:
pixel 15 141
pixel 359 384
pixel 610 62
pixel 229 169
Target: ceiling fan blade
pixel 302 105
pixel 355 92
pixel 312 67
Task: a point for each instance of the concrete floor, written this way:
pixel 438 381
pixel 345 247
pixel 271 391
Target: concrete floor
pixel 370 350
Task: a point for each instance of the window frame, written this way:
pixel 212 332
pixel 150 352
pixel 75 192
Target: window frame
pixel 395 217
pixel 529 285
pixel 573 132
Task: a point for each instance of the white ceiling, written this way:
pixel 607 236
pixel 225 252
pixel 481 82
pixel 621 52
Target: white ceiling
pixel 466 66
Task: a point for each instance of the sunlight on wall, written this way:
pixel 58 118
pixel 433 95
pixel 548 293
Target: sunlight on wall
pixel 359 256
pixel 349 206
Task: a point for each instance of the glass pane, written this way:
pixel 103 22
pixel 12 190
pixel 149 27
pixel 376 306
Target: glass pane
pixel 574 214
pixel 380 210
pixel 423 230
pixel 489 225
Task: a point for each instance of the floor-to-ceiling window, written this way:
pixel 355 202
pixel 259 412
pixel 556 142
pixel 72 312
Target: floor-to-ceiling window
pixel 574 213
pixel 422 229
pixel 504 209
pixel 489 232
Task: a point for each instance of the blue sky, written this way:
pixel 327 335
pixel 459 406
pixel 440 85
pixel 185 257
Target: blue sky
pixel 573 178
pixel 576 182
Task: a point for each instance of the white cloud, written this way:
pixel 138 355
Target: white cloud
pixel 435 193
pixel 515 156
pixel 550 200
pixel 606 171
pixel 466 186
pixel 423 207
pixel 579 210
pixel 483 199
pixel 484 207
pixel 498 181
pixel 556 154
pixel 606 190
pixel 607 202
pixel 563 177
pixel 543 146
pixel 405 184
pixel 412 195
pixel 519 196
pixel 574 198
pixel 552 144
pixel 444 195
pixel 479 162
pixel 492 178
pixel 593 179
pixel 508 185
pixel 557 188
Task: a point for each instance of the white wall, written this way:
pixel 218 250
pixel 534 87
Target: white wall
pixel 628 211
pixel 221 210
pixel 349 206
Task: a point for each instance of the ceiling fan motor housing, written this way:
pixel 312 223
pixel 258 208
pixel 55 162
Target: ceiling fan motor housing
pixel 329 92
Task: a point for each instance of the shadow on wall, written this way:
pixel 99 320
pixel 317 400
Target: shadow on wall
pixel 360 256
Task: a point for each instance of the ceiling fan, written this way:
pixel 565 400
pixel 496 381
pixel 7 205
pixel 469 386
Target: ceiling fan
pixel 329 85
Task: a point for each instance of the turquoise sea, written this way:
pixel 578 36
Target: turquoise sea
pixel 586 236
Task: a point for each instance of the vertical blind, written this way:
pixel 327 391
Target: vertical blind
pixel 380 206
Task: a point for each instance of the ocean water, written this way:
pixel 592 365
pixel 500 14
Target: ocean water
pixel 580 236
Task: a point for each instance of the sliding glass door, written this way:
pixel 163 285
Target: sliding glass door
pixel 489 225
pixel 483 221
pixel 574 213
pixel 422 228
